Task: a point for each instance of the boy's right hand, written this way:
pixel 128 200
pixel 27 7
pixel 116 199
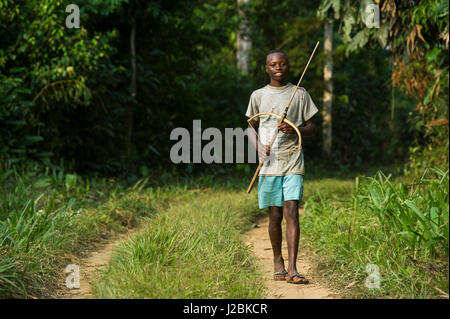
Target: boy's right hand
pixel 260 147
pixel 262 151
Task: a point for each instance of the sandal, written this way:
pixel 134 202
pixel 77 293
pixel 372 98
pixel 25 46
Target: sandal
pixel 280 275
pixel 297 279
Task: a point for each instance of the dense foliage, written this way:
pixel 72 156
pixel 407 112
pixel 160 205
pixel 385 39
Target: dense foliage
pixel 417 35
pixel 65 94
pixel 85 100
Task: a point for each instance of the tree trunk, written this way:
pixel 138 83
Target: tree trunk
pixel 244 43
pixel 130 113
pixel 328 91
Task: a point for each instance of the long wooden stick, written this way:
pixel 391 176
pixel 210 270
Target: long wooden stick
pixel 283 116
pixel 249 189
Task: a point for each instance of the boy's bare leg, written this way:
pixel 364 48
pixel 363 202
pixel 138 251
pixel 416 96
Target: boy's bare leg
pixel 292 234
pixel 275 234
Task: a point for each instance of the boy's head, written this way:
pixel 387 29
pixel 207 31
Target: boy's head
pixel 277 67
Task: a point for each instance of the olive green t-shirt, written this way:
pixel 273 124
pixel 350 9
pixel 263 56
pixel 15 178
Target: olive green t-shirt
pixel 285 157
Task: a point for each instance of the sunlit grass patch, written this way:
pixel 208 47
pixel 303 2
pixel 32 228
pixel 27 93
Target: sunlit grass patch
pixel 192 250
pixel 46 218
pixel 400 228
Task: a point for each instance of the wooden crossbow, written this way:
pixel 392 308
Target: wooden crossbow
pixel 281 119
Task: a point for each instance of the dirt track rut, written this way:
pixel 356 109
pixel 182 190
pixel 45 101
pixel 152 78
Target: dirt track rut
pixel 258 239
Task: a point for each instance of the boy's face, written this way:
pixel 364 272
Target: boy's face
pixel 277 66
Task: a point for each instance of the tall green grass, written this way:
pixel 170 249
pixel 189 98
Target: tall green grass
pixel 47 216
pixel 191 247
pixel 192 250
pixel 400 227
pixel 418 213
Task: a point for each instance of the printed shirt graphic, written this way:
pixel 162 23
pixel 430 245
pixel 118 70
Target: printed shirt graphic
pixel 285 157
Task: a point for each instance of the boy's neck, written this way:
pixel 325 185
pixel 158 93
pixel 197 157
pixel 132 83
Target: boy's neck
pixel 277 83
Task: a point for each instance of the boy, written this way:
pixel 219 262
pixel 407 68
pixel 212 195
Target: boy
pixel 280 184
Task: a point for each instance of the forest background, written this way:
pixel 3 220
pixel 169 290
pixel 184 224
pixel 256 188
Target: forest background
pixel 82 100
pixel 87 112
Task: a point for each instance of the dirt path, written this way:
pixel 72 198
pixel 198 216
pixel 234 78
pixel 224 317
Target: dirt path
pixel 258 239
pixel 91 267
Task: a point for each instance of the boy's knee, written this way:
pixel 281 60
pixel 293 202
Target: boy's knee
pixel 276 214
pixel 291 210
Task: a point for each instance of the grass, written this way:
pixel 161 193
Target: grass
pixel 47 217
pixel 190 245
pixel 192 250
pixel 378 226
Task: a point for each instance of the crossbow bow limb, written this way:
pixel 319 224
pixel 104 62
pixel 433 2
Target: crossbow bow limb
pixel 282 118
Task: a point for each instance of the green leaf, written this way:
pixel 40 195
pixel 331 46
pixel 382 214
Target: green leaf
pixel 417 211
pixel 435 217
pixel 442 9
pixel 431 56
pixel 349 21
pixel 43 182
pixel 17 70
pixel 45 154
pixel 337 8
pixel 323 8
pixel 427 98
pixel 154 150
pixel 358 41
pixel 382 35
pixel 16 122
pixel 31 139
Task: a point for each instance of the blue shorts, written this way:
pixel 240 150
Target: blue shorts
pixel 274 190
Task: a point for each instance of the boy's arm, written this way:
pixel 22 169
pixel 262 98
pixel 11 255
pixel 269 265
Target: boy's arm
pixel 253 137
pixel 308 130
pixel 252 134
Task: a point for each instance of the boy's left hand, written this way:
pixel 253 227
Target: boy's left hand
pixel 286 128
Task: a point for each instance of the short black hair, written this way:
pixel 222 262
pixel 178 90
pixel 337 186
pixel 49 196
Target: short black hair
pixel 277 51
